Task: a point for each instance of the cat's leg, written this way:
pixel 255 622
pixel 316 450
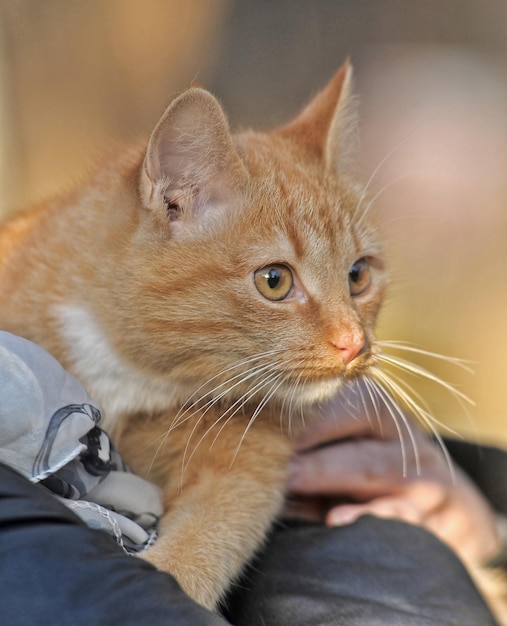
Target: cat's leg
pixel 227 504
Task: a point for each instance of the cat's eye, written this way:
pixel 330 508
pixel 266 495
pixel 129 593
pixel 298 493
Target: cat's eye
pixel 274 282
pixel 359 277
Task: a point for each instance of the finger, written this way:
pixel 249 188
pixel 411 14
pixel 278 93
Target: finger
pixel 400 508
pixel 416 504
pixel 360 469
pixel 328 427
pixel 353 413
pixel 343 417
pixel 430 495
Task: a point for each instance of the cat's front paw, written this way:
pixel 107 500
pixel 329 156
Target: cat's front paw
pixel 199 580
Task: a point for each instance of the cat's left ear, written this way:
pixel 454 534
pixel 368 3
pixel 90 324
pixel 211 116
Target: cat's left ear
pixel 327 126
pixel 191 167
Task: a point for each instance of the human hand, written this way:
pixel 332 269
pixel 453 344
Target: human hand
pixel 372 460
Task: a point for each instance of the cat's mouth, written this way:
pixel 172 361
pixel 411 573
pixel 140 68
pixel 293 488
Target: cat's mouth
pixel 320 384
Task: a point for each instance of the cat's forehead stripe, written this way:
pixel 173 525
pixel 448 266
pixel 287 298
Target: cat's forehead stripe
pixel 299 243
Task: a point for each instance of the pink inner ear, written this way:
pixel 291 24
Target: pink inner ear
pixel 194 201
pixel 180 162
pixel 191 165
pixel 187 147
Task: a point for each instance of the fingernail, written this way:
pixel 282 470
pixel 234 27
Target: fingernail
pixel 339 517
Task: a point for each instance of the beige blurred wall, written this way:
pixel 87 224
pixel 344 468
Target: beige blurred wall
pixel 439 115
pixel 432 79
pixel 80 74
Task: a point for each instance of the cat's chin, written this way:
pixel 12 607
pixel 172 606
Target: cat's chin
pixel 319 391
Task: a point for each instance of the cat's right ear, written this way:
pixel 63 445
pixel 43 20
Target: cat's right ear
pixel 191 168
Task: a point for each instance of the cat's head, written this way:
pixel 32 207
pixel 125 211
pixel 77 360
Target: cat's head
pixel 254 266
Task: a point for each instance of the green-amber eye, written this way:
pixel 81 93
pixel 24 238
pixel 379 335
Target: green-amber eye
pixel 359 277
pixel 274 282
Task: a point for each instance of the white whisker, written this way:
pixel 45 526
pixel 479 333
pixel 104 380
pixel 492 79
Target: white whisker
pixel 372 393
pixel 229 413
pixel 398 345
pixel 381 164
pixel 292 401
pixel 246 397
pixel 240 380
pixel 184 415
pixel 417 370
pixel 371 201
pixel 425 417
pixel 288 400
pixel 263 355
pixel 274 387
pixel 395 412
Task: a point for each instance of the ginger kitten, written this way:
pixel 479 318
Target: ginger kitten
pixel 204 288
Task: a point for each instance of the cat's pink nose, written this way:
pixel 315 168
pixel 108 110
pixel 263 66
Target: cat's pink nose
pixel 350 346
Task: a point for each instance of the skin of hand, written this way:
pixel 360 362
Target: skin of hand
pixel 358 459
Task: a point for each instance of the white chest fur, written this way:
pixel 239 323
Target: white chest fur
pixel 116 385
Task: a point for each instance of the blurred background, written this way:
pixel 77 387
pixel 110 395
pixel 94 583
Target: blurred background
pixel 432 81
